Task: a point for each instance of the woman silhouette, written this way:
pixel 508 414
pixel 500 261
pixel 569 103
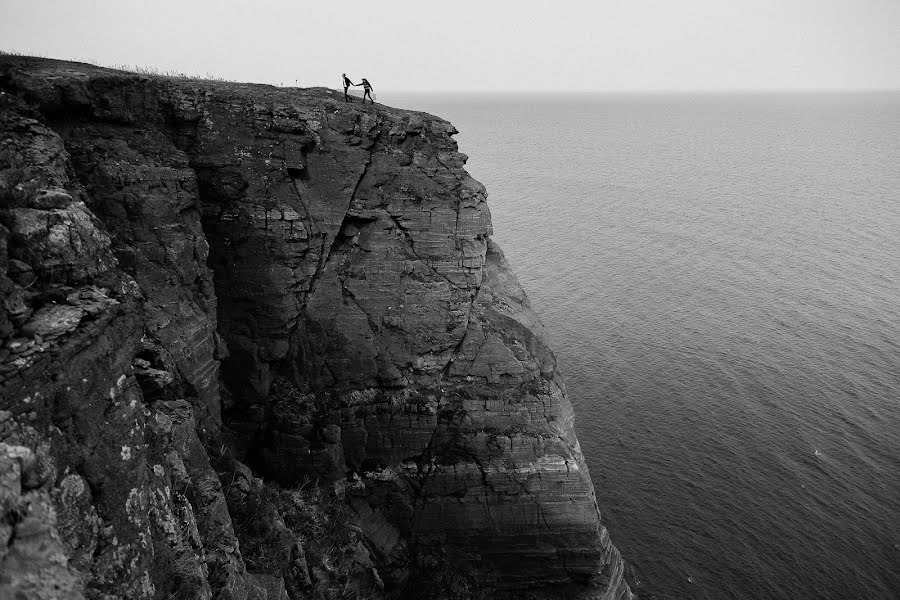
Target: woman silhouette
pixel 367 90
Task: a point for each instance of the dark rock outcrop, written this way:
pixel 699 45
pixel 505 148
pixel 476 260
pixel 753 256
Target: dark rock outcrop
pixel 195 274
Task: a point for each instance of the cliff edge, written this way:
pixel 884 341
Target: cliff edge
pixel 221 299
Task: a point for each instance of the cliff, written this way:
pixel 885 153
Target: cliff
pixel 237 320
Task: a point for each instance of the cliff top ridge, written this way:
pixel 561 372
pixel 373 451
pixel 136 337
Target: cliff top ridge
pixel 53 69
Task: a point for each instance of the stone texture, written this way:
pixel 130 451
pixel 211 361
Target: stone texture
pixel 102 516
pixel 190 269
pixel 32 558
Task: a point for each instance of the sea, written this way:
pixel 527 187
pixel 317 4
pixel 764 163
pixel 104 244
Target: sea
pixel 719 276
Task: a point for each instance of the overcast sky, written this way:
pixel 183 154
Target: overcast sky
pixel 460 45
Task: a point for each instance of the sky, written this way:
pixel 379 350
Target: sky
pixel 480 45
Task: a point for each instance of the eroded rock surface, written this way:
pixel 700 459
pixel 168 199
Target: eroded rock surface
pixel 199 276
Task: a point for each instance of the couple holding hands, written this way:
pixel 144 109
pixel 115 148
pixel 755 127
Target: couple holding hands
pixel 366 85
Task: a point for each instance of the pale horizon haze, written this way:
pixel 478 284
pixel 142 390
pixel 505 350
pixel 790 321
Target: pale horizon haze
pixel 489 46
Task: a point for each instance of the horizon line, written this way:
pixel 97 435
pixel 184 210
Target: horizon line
pixel 656 91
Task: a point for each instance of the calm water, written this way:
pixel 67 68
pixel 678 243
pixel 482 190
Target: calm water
pixel 720 277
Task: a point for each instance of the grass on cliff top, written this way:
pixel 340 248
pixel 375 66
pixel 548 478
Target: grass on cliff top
pixel 137 69
pixel 171 73
pixel 140 69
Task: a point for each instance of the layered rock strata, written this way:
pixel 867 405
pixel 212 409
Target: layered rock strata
pixel 191 269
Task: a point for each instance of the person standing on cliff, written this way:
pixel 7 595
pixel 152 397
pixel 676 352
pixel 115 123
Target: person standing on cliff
pixel 347 84
pixel 367 90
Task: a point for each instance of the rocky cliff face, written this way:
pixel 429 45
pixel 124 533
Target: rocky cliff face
pixel 198 276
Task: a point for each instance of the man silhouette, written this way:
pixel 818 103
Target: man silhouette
pixel 347 84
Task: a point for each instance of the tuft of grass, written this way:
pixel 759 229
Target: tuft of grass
pixel 22 54
pixel 166 73
pixel 318 519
